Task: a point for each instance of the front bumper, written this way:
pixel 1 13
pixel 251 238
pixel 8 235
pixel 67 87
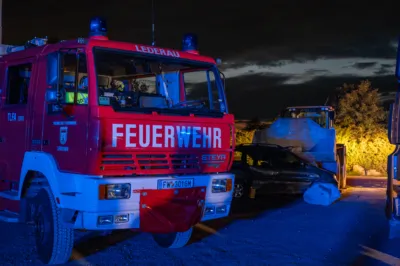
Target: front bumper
pixel 147 209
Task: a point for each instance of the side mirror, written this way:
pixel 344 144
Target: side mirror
pixel 51 96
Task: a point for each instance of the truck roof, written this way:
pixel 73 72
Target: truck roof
pixel 330 108
pixel 23 52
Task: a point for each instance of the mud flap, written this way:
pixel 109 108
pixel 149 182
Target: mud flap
pixel 171 210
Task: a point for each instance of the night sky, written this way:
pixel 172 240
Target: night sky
pixel 275 53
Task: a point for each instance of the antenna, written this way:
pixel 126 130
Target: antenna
pixel 327 99
pixel 153 5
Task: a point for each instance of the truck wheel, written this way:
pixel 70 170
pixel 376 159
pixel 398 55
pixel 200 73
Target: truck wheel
pixel 338 172
pixel 173 240
pixel 342 184
pixel 54 241
pixel 341 174
pixel 343 178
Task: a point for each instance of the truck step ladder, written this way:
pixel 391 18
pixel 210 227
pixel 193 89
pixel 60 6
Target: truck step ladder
pixel 10 217
pixel 9 194
pixel 5 215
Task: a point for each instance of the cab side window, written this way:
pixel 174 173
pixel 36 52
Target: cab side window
pixel 201 85
pixel 18 78
pixel 68 71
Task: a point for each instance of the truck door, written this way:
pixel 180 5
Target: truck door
pixel 393 162
pixel 65 122
pixel 15 119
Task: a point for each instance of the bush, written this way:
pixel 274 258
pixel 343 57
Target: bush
pixel 368 151
pixel 244 136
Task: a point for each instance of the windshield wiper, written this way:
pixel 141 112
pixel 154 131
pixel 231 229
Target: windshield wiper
pixel 189 104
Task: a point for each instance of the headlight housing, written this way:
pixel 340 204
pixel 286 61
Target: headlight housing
pixel 115 191
pixel 221 185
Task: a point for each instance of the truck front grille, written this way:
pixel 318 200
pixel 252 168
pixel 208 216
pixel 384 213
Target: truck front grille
pixel 148 164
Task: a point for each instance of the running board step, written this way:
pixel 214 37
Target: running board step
pixel 9 194
pixel 9 217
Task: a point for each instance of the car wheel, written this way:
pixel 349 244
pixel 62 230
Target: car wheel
pixel 238 191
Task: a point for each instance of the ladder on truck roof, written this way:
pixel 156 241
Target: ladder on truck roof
pixel 7 49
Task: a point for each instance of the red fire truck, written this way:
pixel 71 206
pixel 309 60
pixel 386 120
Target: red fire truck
pixel 102 135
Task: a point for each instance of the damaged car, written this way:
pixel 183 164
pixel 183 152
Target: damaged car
pixel 272 169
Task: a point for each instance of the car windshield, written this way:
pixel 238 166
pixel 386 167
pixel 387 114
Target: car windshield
pixel 130 81
pixel 266 157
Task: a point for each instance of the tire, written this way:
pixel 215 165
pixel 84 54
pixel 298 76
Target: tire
pixel 338 172
pixel 54 241
pixel 173 240
pixel 343 182
pixel 342 177
pixel 239 191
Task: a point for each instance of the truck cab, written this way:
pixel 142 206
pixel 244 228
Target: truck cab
pixel 98 134
pixel 322 115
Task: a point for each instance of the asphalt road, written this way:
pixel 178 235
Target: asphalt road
pixel 265 231
pixel 366 182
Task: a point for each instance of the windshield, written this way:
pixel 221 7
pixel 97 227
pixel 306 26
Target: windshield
pixel 130 81
pixel 318 116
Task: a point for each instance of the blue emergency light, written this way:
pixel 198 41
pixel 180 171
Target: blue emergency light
pixel 98 27
pixel 189 42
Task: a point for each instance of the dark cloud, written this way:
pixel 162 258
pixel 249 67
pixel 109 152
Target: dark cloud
pixel 316 71
pixel 260 32
pixel 364 65
pixel 268 95
pixel 382 71
pixel 385 69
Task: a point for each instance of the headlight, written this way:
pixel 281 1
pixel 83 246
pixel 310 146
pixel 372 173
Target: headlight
pixel 221 185
pixel 115 191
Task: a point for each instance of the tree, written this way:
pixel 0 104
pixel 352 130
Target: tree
pixel 359 109
pixel 254 124
pixel 360 123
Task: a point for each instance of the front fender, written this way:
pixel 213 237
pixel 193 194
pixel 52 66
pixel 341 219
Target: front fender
pixel 61 183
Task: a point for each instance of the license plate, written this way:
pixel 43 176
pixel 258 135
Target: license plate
pixel 175 183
